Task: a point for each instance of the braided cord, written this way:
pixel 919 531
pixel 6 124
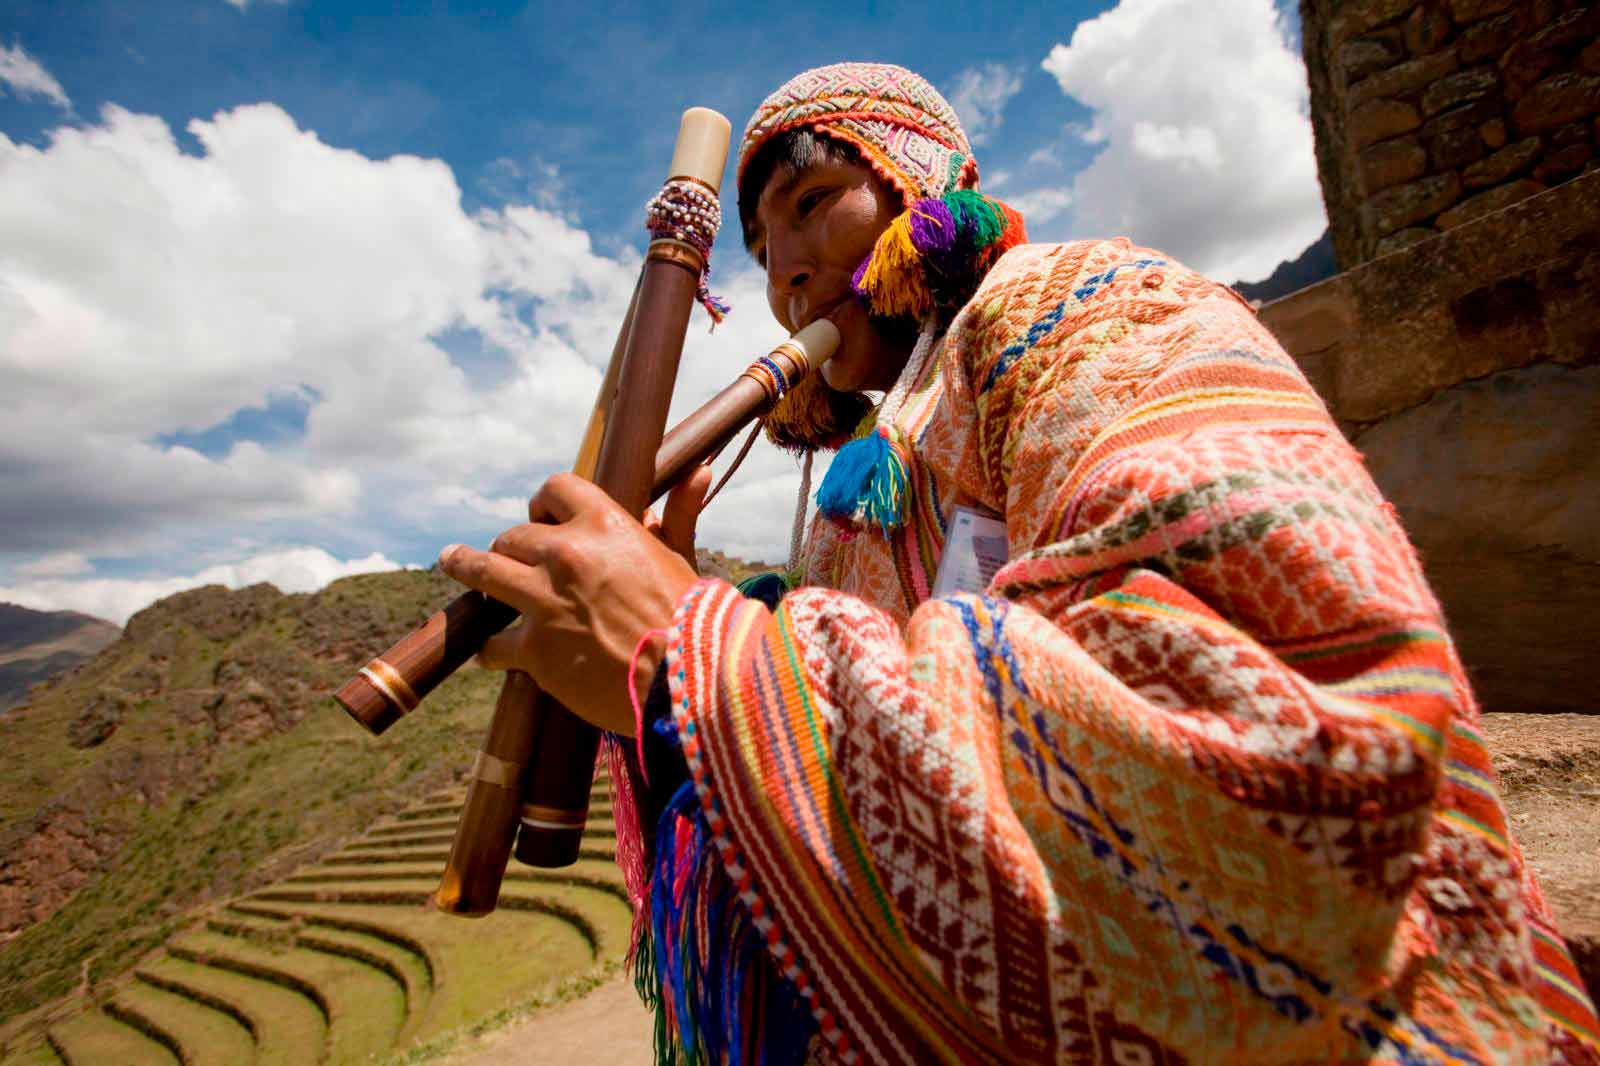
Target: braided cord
pixel 687 211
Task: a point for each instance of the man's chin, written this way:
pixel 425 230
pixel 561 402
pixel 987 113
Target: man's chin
pixel 835 376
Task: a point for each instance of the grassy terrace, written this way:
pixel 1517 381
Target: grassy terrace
pixel 343 961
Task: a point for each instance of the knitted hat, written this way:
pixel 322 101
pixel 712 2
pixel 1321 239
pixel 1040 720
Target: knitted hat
pixel 899 123
pixel 931 258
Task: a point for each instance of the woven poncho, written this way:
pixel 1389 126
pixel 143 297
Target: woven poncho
pixel 1197 779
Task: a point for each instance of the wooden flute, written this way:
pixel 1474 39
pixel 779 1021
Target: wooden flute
pixel 531 780
pixel 504 792
pixel 393 684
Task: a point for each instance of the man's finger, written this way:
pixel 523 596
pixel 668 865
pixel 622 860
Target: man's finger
pixel 682 511
pixel 501 577
pixel 528 543
pixel 562 496
pixel 499 652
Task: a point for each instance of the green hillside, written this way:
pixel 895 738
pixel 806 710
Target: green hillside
pixel 342 961
pixel 198 757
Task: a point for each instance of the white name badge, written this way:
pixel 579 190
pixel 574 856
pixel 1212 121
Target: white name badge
pixel 975 546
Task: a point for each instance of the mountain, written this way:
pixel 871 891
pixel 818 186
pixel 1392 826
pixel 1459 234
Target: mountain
pixel 1314 264
pixel 199 756
pixel 36 645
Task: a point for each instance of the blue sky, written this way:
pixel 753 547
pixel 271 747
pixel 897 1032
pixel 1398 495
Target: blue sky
pixel 232 230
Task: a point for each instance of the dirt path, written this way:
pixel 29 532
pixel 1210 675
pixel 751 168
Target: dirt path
pixel 609 1025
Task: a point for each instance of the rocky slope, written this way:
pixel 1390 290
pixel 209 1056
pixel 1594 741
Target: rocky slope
pixel 38 645
pixel 195 757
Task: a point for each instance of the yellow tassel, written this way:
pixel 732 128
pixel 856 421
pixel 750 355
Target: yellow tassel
pixel 893 280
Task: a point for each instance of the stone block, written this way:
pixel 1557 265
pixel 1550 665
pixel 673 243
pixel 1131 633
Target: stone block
pixel 1466 116
pixel 1506 163
pixel 1569 283
pixel 1465 11
pixel 1363 56
pixel 1455 148
pixel 1357 18
pixel 1463 87
pixel 1493 133
pixel 1316 325
pixel 1403 239
pixel 1492 480
pixel 1570 30
pixel 1490 38
pixel 1402 79
pixel 1453 139
pixel 1378 120
pixel 1485 202
pixel 1562 163
pixel 1391 162
pixel 1396 208
pixel 1571 133
pixel 1427 28
pixel 1412 366
pixel 1556 101
pixel 1590 58
pixel 1523 64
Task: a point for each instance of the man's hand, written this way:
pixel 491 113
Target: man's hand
pixel 676 525
pixel 589 581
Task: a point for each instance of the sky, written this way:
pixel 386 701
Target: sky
pixel 291 289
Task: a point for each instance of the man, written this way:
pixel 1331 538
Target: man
pixel 1195 778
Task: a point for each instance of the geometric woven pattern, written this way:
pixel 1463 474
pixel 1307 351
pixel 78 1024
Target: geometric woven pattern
pixel 905 130
pixel 1198 779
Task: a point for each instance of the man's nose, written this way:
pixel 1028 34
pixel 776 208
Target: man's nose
pixel 788 265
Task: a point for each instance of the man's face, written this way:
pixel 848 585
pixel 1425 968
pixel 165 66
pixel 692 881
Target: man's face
pixel 812 229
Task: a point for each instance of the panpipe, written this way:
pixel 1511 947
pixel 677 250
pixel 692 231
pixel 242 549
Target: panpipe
pixel 531 780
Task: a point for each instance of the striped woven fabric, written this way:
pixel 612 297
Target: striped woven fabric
pixel 1197 779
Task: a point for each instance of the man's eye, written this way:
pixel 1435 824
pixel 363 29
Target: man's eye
pixel 808 201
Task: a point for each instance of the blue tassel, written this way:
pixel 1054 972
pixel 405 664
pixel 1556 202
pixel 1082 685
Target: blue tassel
pixel 866 484
pixel 718 999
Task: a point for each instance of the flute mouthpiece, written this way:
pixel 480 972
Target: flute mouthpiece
pixel 817 342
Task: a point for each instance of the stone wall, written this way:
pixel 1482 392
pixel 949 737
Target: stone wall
pixel 1467 370
pixel 1431 113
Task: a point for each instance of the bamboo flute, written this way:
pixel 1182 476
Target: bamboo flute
pixel 487 825
pixel 537 751
pixel 434 650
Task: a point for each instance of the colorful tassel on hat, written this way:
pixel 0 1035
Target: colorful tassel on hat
pixel 866 483
pixel 933 256
pixel 926 264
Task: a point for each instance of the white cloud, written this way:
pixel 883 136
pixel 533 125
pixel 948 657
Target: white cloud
pixel 1038 206
pixel 26 76
pixel 56 564
pixel 148 292
pixel 980 97
pixel 243 4
pixel 299 569
pixel 1204 113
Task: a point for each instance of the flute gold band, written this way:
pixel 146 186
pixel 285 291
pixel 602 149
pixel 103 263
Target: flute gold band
pixel 670 251
pixel 387 680
pixel 706 185
pixel 541 817
pixel 497 771
pixel 793 352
